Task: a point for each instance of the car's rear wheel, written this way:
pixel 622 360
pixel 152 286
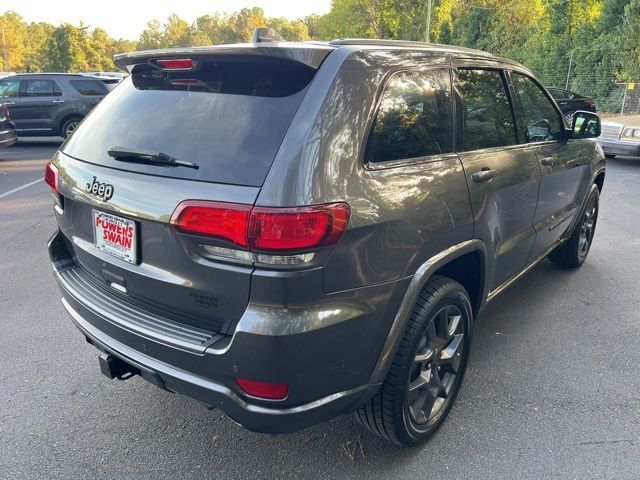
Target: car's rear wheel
pixel 574 251
pixel 69 126
pixel 426 373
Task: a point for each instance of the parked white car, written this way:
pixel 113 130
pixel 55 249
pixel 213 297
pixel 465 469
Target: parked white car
pixel 621 136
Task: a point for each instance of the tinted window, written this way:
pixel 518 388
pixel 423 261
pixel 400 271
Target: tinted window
pixel 89 87
pixel 485 118
pixel 414 118
pixel 9 88
pixel 257 78
pixel 230 124
pixel 42 88
pixel 538 119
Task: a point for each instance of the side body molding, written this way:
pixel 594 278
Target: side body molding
pixel 419 280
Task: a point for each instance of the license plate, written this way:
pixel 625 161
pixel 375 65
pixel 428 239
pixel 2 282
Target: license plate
pixel 115 235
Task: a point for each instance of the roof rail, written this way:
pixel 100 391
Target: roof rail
pixel 266 34
pixel 378 42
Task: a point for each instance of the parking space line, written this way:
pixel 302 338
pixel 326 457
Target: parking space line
pixel 5 194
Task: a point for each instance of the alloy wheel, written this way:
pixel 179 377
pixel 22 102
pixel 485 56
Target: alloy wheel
pixel 436 367
pixel 71 127
pixel 588 226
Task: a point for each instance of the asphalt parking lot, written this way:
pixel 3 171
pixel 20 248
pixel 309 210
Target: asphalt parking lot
pixel 552 391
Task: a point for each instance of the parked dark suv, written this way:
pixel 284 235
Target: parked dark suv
pixel 291 231
pixel 44 104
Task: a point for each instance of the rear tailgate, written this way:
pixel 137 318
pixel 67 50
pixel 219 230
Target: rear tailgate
pixel 170 274
pixel 228 115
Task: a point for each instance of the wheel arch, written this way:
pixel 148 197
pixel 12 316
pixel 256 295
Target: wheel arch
pixel 599 179
pixel 447 263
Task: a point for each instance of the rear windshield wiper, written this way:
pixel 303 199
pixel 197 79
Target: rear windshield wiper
pixel 145 156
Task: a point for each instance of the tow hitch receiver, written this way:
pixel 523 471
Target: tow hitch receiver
pixel 112 367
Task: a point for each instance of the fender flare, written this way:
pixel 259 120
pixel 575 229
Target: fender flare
pixel 419 280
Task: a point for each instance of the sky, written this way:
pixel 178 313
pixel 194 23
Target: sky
pixel 127 18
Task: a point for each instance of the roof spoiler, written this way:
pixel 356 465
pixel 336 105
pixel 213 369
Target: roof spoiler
pixel 266 34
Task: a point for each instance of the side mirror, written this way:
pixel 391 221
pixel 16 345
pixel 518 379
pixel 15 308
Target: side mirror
pixel 538 132
pixel 585 125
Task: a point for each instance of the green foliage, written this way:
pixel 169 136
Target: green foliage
pixel 41 46
pixel 599 38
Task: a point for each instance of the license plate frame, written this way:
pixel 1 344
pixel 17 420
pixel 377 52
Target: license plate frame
pixel 116 236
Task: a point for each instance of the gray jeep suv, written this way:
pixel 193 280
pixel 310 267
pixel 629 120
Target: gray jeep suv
pixel 292 231
pixel 44 104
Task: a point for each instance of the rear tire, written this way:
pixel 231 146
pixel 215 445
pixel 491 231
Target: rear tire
pixel 69 126
pixel 573 252
pixel 427 371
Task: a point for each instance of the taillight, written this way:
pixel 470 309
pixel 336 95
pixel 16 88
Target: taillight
pixel 271 391
pixel 590 101
pixel 176 64
pixel 51 177
pixel 226 221
pixel 302 228
pixel 264 229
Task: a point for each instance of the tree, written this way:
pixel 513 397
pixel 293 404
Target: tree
pixel 151 37
pixel 70 50
pixel 240 25
pixel 36 58
pixel 630 33
pixel 600 38
pixel 13 41
pixel 177 32
pixel 292 31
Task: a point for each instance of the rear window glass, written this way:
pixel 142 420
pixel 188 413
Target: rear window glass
pixel 228 116
pixel 414 118
pixel 89 87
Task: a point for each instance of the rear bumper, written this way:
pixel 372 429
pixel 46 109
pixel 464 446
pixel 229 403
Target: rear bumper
pixel 258 418
pixel 327 369
pixel 613 147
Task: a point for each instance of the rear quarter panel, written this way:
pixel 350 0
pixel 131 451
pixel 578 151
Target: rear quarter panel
pixel 400 215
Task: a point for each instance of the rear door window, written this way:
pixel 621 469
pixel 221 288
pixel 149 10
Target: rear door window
pixel 414 118
pixel 42 88
pixel 228 115
pixel 485 119
pixel 89 87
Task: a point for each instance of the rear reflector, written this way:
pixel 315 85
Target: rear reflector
pixel 175 64
pixel 271 391
pixel 264 229
pixel 51 177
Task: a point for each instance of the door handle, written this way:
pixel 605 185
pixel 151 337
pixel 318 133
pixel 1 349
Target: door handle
pixel 548 161
pixel 7 103
pixel 57 101
pixel 483 175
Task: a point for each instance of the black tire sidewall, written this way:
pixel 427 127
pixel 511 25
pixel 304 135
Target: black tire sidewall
pixel 455 295
pixel 63 130
pixel 574 241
